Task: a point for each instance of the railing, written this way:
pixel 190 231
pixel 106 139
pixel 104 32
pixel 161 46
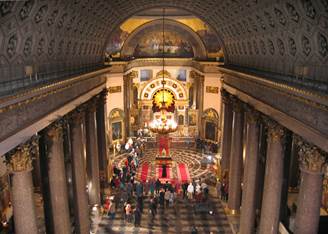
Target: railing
pixel 13 86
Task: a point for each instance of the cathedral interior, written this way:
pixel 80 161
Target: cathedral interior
pixel 229 94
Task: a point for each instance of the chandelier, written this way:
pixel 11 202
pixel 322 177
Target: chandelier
pixel 164 123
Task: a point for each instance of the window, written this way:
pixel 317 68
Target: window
pixel 145 74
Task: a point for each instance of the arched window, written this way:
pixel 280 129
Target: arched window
pixel 181 120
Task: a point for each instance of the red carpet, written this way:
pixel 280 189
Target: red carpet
pixel 144 172
pixel 183 172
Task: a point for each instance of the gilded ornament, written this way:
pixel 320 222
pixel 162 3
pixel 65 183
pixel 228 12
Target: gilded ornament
pixel 20 158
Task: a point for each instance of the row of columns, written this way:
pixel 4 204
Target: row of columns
pixel 81 125
pixel 311 158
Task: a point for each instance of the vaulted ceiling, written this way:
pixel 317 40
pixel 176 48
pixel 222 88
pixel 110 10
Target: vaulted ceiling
pixel 286 36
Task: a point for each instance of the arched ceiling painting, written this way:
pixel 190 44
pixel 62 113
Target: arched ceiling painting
pixel 177 42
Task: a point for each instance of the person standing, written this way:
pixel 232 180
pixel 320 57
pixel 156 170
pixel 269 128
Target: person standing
pixel 190 191
pixel 218 188
pixel 137 216
pixel 152 188
pixel 167 198
pixel 158 185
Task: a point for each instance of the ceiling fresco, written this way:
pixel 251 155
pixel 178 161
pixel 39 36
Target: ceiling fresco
pixel 175 46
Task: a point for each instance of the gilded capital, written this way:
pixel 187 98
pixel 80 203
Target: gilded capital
pixel 311 158
pixel 276 132
pixel 20 158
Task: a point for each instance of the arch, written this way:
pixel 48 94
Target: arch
pixel 155 84
pixel 199 49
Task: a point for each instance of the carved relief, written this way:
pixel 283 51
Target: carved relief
pixel 28 46
pixel 323 45
pixel 62 21
pixel 6 7
pixel 12 45
pixel 276 132
pixel 51 47
pixel 260 22
pixel 292 46
pixel 41 46
pixel 280 16
pixel 253 24
pixel 271 47
pixel 52 17
pixel 325 4
pixel 293 14
pixel 306 45
pixel 281 47
pixel 262 46
pixel 311 157
pixel 309 8
pixel 40 14
pixel 20 158
pixel 269 19
pixel 256 49
pixel 26 9
pixel 60 47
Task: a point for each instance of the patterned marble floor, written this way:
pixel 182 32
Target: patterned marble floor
pixel 172 220
pixel 189 157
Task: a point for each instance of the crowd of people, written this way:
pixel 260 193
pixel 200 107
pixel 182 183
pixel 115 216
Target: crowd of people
pixel 128 194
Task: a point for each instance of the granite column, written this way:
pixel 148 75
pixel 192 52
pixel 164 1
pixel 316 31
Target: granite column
pixel 311 160
pixel 247 219
pixel 236 157
pixel 269 221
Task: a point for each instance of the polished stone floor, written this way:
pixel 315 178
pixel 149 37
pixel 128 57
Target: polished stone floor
pixel 179 219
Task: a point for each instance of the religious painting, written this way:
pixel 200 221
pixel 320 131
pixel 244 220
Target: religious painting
pixel 116 131
pixel 192 119
pixel 151 45
pixel 182 75
pixel 146 74
pixel 210 131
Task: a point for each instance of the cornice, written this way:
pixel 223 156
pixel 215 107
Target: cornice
pixel 311 98
pixel 40 92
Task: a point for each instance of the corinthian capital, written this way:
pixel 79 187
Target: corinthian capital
pixel 20 158
pixel 54 132
pixel 276 132
pixel 226 97
pixel 237 105
pixel 311 158
pixel 252 115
